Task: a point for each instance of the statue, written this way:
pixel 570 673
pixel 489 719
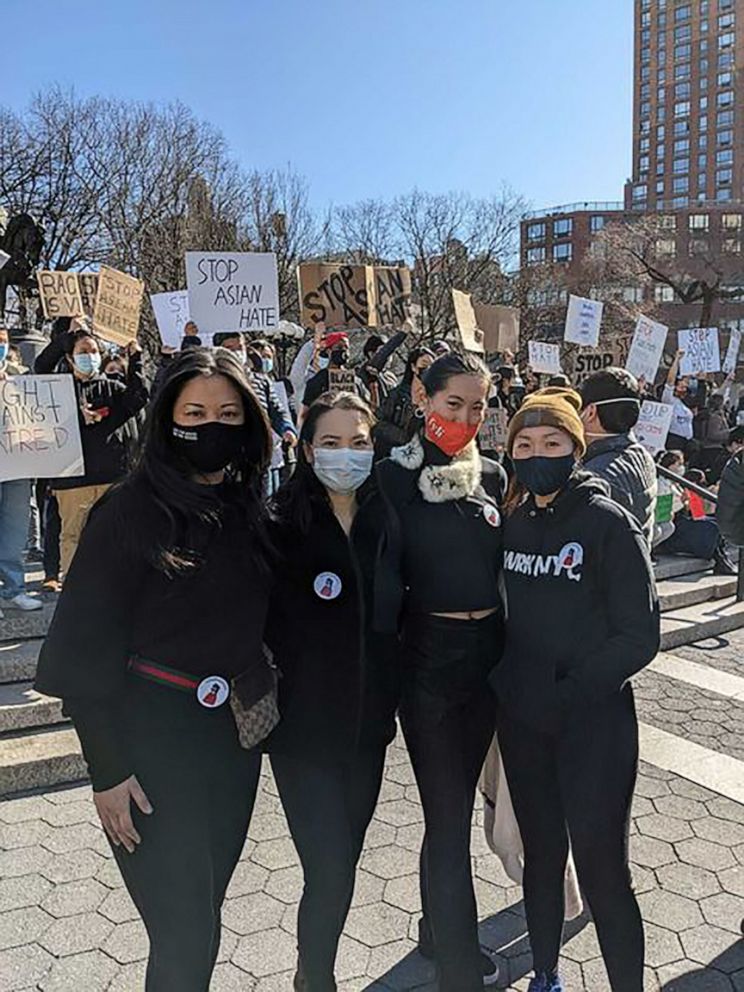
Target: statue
pixel 23 240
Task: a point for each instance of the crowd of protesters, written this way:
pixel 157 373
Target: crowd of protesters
pixel 256 562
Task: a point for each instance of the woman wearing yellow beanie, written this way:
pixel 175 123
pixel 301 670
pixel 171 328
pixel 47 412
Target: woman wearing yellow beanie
pixel 582 619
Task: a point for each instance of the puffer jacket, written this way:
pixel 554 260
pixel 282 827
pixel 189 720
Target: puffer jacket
pixel 629 470
pixel 730 510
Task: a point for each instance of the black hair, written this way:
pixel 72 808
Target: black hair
pixel 438 374
pixel 219 339
pixel 613 384
pixel 413 356
pixel 373 342
pixel 303 493
pixel 79 335
pixel 696 475
pixel 166 476
pixel 736 435
pixel 667 458
pixel 559 380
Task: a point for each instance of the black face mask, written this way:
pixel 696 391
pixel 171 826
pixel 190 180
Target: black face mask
pixel 117 377
pixel 209 447
pixel 339 357
pixel 543 476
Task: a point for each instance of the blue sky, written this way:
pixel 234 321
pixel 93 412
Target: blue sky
pixel 366 98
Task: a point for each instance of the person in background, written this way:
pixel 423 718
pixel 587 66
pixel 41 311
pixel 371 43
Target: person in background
pixel 104 407
pixel 611 407
pixel 333 355
pixel 440 348
pixel 560 380
pixel 376 354
pixel 582 618
pixel 397 417
pixel 678 395
pixel 509 390
pixel 337 693
pixel 160 622
pixel 284 445
pixel 730 507
pixel 15 508
pixel 711 431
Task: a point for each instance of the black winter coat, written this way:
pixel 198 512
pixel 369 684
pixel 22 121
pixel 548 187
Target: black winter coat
pixel 730 509
pixel 582 611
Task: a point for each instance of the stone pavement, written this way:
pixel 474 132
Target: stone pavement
pixel 66 923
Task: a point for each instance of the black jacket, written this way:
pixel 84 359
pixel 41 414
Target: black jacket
pixel 338 685
pixel 582 611
pixel 730 510
pixel 105 446
pixel 396 420
pixel 630 472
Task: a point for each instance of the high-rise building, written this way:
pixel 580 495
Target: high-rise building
pixel 688 125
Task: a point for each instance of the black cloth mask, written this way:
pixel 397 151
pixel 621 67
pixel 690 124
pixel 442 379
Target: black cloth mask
pixel 209 447
pixel 543 476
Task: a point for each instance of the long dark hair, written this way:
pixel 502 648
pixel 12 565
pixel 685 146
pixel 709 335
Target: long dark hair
pixel 165 476
pixel 438 374
pixel 413 356
pixel 301 495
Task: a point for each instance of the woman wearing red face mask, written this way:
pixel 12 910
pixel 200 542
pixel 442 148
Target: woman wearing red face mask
pixel 437 585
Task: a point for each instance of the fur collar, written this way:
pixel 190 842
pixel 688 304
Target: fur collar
pixel 441 483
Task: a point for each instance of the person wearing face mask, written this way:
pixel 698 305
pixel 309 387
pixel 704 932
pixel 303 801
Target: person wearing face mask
pixel 437 587
pixel 611 407
pixel 582 618
pixel 334 355
pixel 105 405
pixel 397 418
pixel 337 693
pixel 159 628
pixel 283 394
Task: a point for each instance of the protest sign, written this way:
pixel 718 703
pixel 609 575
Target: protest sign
pixel 389 295
pixel 732 352
pixel 88 283
pixel 232 291
pixel 172 314
pixel 467 323
pixel 4 257
pixel 646 349
pixel 544 357
pixel 701 350
pixel 39 428
pixel 60 293
pixel 494 429
pixel 335 294
pixel 341 381
pixel 653 425
pixel 583 321
pixel 117 310
pixel 582 364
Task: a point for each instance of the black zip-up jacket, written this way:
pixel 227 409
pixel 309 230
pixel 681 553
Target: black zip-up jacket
pixel 730 509
pixel 338 687
pixel 582 610
pixel 105 451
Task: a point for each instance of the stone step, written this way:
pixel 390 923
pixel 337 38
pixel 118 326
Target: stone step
pixel 19 625
pixel 40 760
pixel 18 660
pixel 22 708
pixel 698 587
pixel 696 623
pixel 673 566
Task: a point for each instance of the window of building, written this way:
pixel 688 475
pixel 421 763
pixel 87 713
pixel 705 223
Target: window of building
pixel 660 152
pixel 726 59
pixel 535 255
pixel 668 222
pixel 702 162
pixel 723 195
pixel 703 103
pixel 731 246
pixel 536 232
pixel 726 40
pixel 660 187
pixel 725 157
pixel 683 33
pixel 725 79
pixel 681 165
pixel 660 132
pixel 732 222
pixel 645 126
pixel 725 22
pixel 661 76
pixel 643 163
pixel 563 228
pixel 704 7
pixel 645 109
pixel 681 184
pixel 682 109
pixel 725 138
pixel 703 122
pixel 645 144
pixel 703 83
pixel 704 67
pixel 680 201
pixel 681 72
pixel 724 177
pixel 703 27
pixel 661 113
pixel 666 248
pixel 660 167
pixel 699 222
pixel 682 52
pixel 698 246
pixel 681 127
pixel 702 182
pixel 562 253
pixel 682 91
pixel 597 223
pixel 663 294
pixel 682 146
pixel 683 13
pixel 661 95
pixel 645 55
pixel 703 46
pixel 645 73
pixel 725 99
pixel 640 191
pixel 725 118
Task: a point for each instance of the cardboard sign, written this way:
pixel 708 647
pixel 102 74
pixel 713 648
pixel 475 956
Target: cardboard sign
pixel 39 428
pixel 544 357
pixel 653 425
pixel 586 363
pixel 172 314
pixel 389 293
pixel 732 353
pixel 60 293
pixel 471 335
pixel 4 257
pixel 500 326
pixel 583 321
pixel 701 348
pixel 494 430
pixel 646 350
pixel 88 283
pixel 117 310
pixel 233 291
pixel 335 294
pixel 341 381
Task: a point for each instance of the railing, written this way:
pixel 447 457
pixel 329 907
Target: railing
pixel 593 206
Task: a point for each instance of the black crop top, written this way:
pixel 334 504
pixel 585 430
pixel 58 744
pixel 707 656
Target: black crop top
pixel 452 555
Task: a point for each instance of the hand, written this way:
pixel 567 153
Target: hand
pixel 114 810
pixel 133 348
pixel 407 326
pixel 680 354
pixel 290 438
pixel 90 416
pixel 167 349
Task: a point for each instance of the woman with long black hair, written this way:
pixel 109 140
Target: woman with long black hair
pixel 437 583
pixel 161 617
pixel 338 687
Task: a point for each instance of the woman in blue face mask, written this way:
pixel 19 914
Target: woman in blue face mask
pixel 582 618
pixel 336 695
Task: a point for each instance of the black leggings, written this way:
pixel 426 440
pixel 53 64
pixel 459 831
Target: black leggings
pixel 202 786
pixel 329 805
pixel 579 785
pixel 447 714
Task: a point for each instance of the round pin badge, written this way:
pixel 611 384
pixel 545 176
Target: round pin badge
pixel 213 691
pixel 327 585
pixel 491 515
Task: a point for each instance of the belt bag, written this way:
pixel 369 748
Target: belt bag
pixel 253 701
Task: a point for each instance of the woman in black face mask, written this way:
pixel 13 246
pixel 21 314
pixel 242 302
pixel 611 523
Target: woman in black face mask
pixel 582 618
pixel 160 622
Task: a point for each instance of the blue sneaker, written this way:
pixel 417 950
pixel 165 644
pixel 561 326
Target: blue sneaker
pixel 545 982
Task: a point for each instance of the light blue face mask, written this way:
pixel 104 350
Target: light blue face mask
pixel 87 363
pixel 3 353
pixel 323 362
pixel 342 470
pixel 267 364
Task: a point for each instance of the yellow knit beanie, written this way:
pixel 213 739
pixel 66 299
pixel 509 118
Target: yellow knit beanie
pixel 551 407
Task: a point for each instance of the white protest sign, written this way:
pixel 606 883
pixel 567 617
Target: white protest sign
pixel 646 349
pixel 39 428
pixel 232 291
pixel 653 425
pixel 583 321
pixel 4 257
pixel 701 350
pixel 172 314
pixel 732 352
pixel 544 357
pixel 494 430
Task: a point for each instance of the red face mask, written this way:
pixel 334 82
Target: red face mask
pixel 450 436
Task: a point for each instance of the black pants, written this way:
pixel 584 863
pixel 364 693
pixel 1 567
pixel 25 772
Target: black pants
pixel 51 529
pixel 448 713
pixel 579 785
pixel 329 805
pixel 202 786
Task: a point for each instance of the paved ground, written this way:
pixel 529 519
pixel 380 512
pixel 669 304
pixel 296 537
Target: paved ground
pixel 66 923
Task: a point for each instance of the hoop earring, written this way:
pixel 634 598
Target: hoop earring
pixel 419 413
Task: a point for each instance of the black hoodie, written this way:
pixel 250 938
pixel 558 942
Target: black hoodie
pixel 583 615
